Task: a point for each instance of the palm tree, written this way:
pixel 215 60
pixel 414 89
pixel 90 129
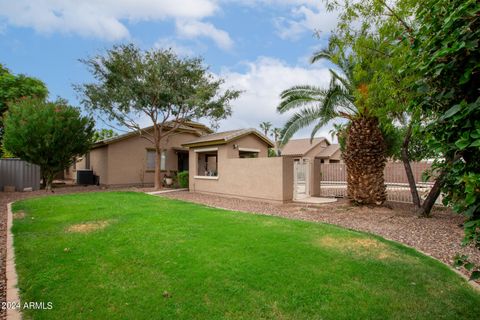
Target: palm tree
pixel 265 126
pixel 276 132
pixel 364 153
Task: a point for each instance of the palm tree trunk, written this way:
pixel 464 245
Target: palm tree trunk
pixel 365 160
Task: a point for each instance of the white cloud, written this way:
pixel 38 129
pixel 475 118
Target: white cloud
pixel 306 18
pixel 106 19
pixel 193 29
pixel 102 19
pixel 262 83
pixel 175 46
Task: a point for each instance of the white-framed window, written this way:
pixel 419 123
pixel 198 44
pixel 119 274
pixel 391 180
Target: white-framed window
pixel 150 165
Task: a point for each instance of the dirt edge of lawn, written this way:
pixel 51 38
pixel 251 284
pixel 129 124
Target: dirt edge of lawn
pixel 12 295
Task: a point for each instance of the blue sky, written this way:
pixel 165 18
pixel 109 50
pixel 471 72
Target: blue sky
pixel 260 47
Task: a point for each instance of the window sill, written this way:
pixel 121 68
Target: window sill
pixel 206 177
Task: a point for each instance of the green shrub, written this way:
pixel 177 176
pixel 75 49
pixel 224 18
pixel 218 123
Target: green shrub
pixel 183 179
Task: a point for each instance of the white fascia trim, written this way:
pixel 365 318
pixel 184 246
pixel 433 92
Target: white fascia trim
pixel 206 149
pixel 249 150
pixel 206 177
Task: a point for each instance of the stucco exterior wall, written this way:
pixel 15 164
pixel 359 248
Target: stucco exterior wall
pixel 71 172
pixel 260 178
pixel 337 156
pixel 316 150
pixel 98 163
pixel 315 177
pixel 250 142
pixel 127 159
pixel 263 178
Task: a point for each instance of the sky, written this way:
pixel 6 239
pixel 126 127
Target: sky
pixel 259 47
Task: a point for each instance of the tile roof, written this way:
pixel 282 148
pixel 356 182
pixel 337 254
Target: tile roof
pixel 299 147
pixel 226 136
pixel 329 151
pixel 194 127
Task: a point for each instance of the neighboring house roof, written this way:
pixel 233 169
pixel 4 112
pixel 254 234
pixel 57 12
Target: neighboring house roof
pixel 329 152
pixel 225 137
pixel 299 147
pixel 188 126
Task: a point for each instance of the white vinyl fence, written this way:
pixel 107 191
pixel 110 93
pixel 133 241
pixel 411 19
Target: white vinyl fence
pixel 334 180
pixel 19 174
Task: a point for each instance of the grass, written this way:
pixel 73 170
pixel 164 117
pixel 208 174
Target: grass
pixel 133 256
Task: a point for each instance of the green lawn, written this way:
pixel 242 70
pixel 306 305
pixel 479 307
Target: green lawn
pixel 154 258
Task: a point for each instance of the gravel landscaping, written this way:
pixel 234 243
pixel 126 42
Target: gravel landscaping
pixel 439 236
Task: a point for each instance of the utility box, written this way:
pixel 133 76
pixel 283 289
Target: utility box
pixel 85 177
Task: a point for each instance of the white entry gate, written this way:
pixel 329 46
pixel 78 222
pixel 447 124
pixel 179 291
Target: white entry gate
pixel 301 179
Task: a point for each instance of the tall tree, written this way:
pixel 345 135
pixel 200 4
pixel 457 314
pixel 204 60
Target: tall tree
pixel 103 134
pixel 344 98
pixel 14 87
pixel 132 85
pixel 446 49
pixel 277 134
pixel 265 127
pixel 48 134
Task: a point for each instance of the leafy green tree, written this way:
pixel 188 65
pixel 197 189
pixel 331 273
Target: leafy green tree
pixel 265 127
pixel 432 48
pixel 365 148
pixel 132 85
pixel 446 49
pixel 14 87
pixel 48 134
pixel 103 134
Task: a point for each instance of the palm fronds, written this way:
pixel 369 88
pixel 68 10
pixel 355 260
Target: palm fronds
pixel 300 119
pixel 317 105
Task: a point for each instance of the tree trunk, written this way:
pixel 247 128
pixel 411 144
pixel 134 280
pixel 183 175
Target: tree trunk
pixel 158 174
pixel 49 181
pixel 427 205
pixel 408 168
pixel 44 181
pixel 365 161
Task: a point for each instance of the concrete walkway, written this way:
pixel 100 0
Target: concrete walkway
pixel 13 313
pixel 166 191
pixel 313 200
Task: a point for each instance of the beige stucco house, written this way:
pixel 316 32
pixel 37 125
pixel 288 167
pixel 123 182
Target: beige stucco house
pixel 232 163
pixel 319 148
pixel 129 159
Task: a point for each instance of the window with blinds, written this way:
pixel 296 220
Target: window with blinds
pixel 151 160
